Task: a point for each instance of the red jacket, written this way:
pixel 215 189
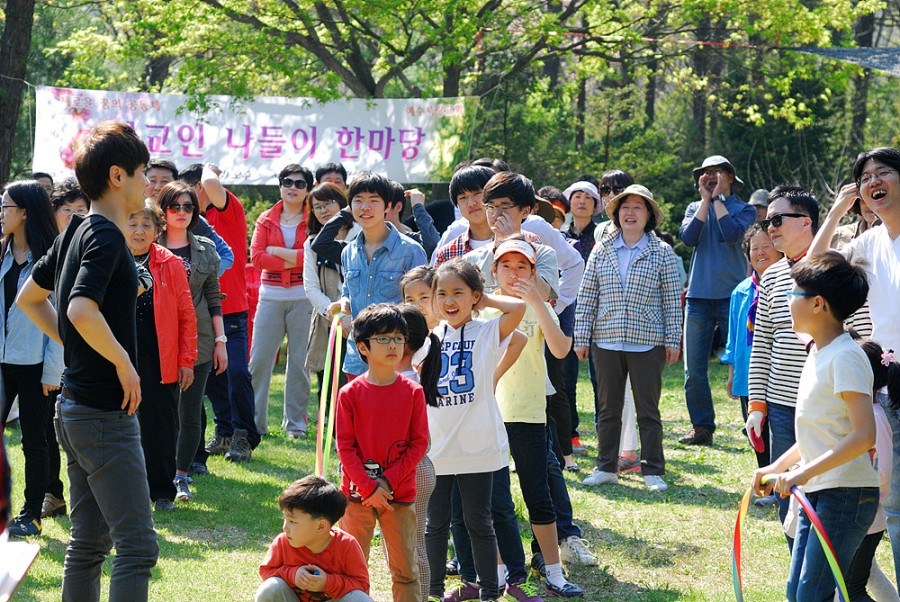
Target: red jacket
pixel 173 312
pixel 268 233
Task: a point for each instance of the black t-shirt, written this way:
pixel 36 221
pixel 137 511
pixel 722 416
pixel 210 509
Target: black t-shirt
pixel 91 259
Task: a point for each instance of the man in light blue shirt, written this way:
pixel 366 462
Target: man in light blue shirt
pixel 715 227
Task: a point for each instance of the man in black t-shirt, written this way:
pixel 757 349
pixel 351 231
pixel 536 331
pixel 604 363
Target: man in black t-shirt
pixel 92 272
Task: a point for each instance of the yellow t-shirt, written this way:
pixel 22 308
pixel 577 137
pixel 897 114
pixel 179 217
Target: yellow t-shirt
pixel 521 393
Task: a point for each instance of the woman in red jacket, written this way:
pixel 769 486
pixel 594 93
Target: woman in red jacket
pixel 167 350
pixel 277 250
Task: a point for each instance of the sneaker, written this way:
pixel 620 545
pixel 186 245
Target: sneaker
pixel 577 447
pixel 182 493
pixel 655 482
pixel 766 500
pixel 522 591
pixel 25 525
pixel 452 566
pixel 629 464
pixel 574 550
pixel 698 435
pixel 218 445
pixel 163 505
pixel 568 590
pixel 240 447
pixel 462 590
pixel 296 434
pixel 601 478
pixel 52 506
pixel 199 468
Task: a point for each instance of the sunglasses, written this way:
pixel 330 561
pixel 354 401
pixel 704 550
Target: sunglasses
pixel 176 208
pixel 605 190
pixel 776 220
pixel 289 183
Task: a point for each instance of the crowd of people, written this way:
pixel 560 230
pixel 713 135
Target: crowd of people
pixel 125 302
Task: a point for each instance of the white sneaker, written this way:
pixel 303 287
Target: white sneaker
pixel 655 482
pixel 572 550
pixel 601 478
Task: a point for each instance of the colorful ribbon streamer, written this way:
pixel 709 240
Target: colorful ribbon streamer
pixel 325 428
pixel 818 527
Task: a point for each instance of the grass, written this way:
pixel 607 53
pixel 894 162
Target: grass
pixel 653 547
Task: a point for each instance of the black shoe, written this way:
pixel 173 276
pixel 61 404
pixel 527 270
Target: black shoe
pixel 538 567
pixel 240 447
pixel 698 435
pixel 198 468
pixel 453 566
pixel 163 505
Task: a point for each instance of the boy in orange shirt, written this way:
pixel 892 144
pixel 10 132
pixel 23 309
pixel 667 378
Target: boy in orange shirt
pixel 312 559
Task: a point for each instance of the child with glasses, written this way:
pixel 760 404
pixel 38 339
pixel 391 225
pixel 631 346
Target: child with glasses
pixel 382 435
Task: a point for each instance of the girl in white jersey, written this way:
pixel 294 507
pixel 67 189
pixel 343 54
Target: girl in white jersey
pixel 468 438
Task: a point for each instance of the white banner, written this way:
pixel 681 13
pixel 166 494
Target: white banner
pixel 408 140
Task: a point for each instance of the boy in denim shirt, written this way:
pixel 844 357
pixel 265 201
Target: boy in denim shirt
pixel 374 262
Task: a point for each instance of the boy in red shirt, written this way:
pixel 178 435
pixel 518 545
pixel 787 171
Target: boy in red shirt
pixel 312 559
pixel 382 434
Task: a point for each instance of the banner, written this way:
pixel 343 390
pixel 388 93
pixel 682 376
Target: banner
pixel 409 140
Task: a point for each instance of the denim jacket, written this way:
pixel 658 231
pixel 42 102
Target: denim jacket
pixel 377 281
pixel 21 342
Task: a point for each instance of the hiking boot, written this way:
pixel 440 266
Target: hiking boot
pixel 240 447
pixel 218 445
pixel 655 482
pixel 601 478
pixel 163 505
pixel 461 591
pixel 52 506
pixel 522 591
pixel 25 525
pixel 182 492
pixel 573 550
pixel 698 435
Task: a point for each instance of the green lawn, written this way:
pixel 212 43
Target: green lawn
pixel 652 546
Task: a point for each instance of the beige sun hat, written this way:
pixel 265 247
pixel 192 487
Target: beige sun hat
pixel 640 191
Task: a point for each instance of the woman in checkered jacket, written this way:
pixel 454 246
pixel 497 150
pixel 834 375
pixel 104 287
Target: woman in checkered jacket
pixel 629 305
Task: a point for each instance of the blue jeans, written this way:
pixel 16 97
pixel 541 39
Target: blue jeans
pixel 846 513
pixel 506 527
pixel 231 393
pixel 892 504
pixel 781 433
pixel 701 317
pixel 108 503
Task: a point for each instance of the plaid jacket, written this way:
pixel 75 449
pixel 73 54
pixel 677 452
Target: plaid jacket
pixel 646 312
pixel 459 246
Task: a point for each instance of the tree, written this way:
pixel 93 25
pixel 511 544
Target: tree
pixel 14 44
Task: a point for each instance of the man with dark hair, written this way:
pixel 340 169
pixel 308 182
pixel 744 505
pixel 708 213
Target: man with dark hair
pixel 332 172
pixel 45 179
pixel 92 272
pixel 876 176
pixel 230 393
pixel 715 227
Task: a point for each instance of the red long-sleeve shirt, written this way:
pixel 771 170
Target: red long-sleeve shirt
pixel 385 424
pixel 342 561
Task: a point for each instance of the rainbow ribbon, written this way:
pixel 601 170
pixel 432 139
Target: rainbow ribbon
pixel 325 428
pixel 819 528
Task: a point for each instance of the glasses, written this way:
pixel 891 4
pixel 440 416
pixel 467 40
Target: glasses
pixel 605 190
pixel 385 340
pixel 868 178
pixel 799 294
pixel 5 208
pixel 176 208
pixel 322 206
pixel 68 211
pixel 502 207
pixel 289 183
pixel 776 220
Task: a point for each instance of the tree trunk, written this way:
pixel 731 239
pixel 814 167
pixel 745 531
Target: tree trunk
pixel 863 33
pixel 650 92
pixel 580 110
pixel 699 97
pixel 14 45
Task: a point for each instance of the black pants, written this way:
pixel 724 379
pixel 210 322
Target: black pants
pixel 475 491
pixel 34 408
pixel 158 416
pixel 858 574
pixel 558 403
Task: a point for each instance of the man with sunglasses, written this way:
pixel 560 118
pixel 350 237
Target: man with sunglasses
pixel 714 227
pixel 777 356
pixel 230 393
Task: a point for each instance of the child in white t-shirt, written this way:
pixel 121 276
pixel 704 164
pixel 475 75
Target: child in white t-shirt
pixel 468 440
pixel 835 426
